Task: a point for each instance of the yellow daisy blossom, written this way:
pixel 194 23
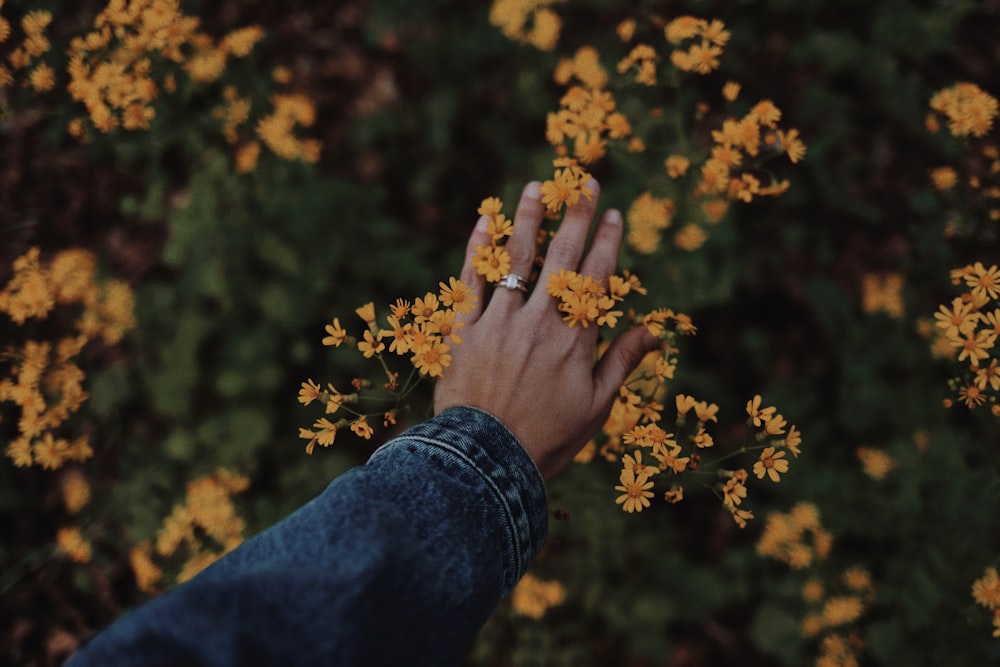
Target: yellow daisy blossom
pixel 635 492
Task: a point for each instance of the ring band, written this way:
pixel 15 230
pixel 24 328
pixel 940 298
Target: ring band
pixel 513 281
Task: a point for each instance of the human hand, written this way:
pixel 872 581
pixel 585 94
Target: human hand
pixel 520 361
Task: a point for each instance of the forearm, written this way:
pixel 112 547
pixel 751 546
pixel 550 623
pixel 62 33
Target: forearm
pixel 399 561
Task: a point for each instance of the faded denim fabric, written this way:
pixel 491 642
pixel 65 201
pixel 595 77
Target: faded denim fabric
pixel 398 562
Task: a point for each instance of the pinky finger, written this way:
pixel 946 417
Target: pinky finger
pixel 471 277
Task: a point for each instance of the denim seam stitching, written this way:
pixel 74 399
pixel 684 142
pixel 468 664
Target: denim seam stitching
pixel 509 514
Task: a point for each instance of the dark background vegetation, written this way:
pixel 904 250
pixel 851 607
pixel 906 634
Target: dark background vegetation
pixel 424 109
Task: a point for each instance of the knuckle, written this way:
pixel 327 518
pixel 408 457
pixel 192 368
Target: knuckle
pixel 520 254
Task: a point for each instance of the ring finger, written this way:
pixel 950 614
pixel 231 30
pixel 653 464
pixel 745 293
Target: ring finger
pixel 521 246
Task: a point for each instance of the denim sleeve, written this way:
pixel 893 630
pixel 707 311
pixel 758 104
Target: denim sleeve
pixel 398 562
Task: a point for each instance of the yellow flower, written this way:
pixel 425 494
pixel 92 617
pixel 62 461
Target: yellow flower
pixel 241 42
pixel 857 579
pixel 369 347
pixel 974 346
pixel 733 492
pixel 646 217
pixel 969 109
pixel 42 78
pixel 309 392
pixel 365 312
pixel 741 516
pixel 51 453
pixel 983 281
pixel 490 207
pixel 792 441
pixel 731 91
pixel 986 589
pixel 423 309
pixel 702 439
pixel 72 543
pixel 944 178
pixel 812 590
pixel 362 428
pixel 491 262
pixel 532 596
pixel 457 295
pixel 626 30
pixel 988 376
pixel 775 425
pixel 544 34
pixel 961 318
pixel 206 66
pixel 75 491
pixel 771 463
pixel 876 463
pixel 19 451
pixel 971 395
pixel 432 359
pixel 677 165
pixel 565 188
pixel 690 237
pixel 842 610
pixel 882 293
pixel 336 334
pixel 326 431
pixel 146 572
pixel 635 465
pixel 757 414
pixel 635 494
pixel 681 28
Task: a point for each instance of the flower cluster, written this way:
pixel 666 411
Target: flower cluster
pixel 528 21
pixel 42 378
pixel 796 538
pixel 198 532
pixel 583 300
pixel 968 109
pixel 135 52
pixel 833 603
pixel 424 330
pixel 986 592
pixel 587 118
pixel 532 597
pixel 111 68
pixel 492 261
pixel 875 463
pixel 277 130
pixel 41 77
pixel 704 40
pixel 882 293
pixel 970 325
pixel 633 429
pixel 969 112
pixel 71 542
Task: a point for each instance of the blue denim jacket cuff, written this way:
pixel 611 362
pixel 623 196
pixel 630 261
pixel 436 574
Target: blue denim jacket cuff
pixel 484 444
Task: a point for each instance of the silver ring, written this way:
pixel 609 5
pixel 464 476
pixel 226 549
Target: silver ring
pixel 513 281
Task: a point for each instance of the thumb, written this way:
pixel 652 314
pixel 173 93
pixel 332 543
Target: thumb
pixel 619 360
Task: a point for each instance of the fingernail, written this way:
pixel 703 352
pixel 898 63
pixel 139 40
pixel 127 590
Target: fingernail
pixel 613 217
pixel 533 190
pixel 482 223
